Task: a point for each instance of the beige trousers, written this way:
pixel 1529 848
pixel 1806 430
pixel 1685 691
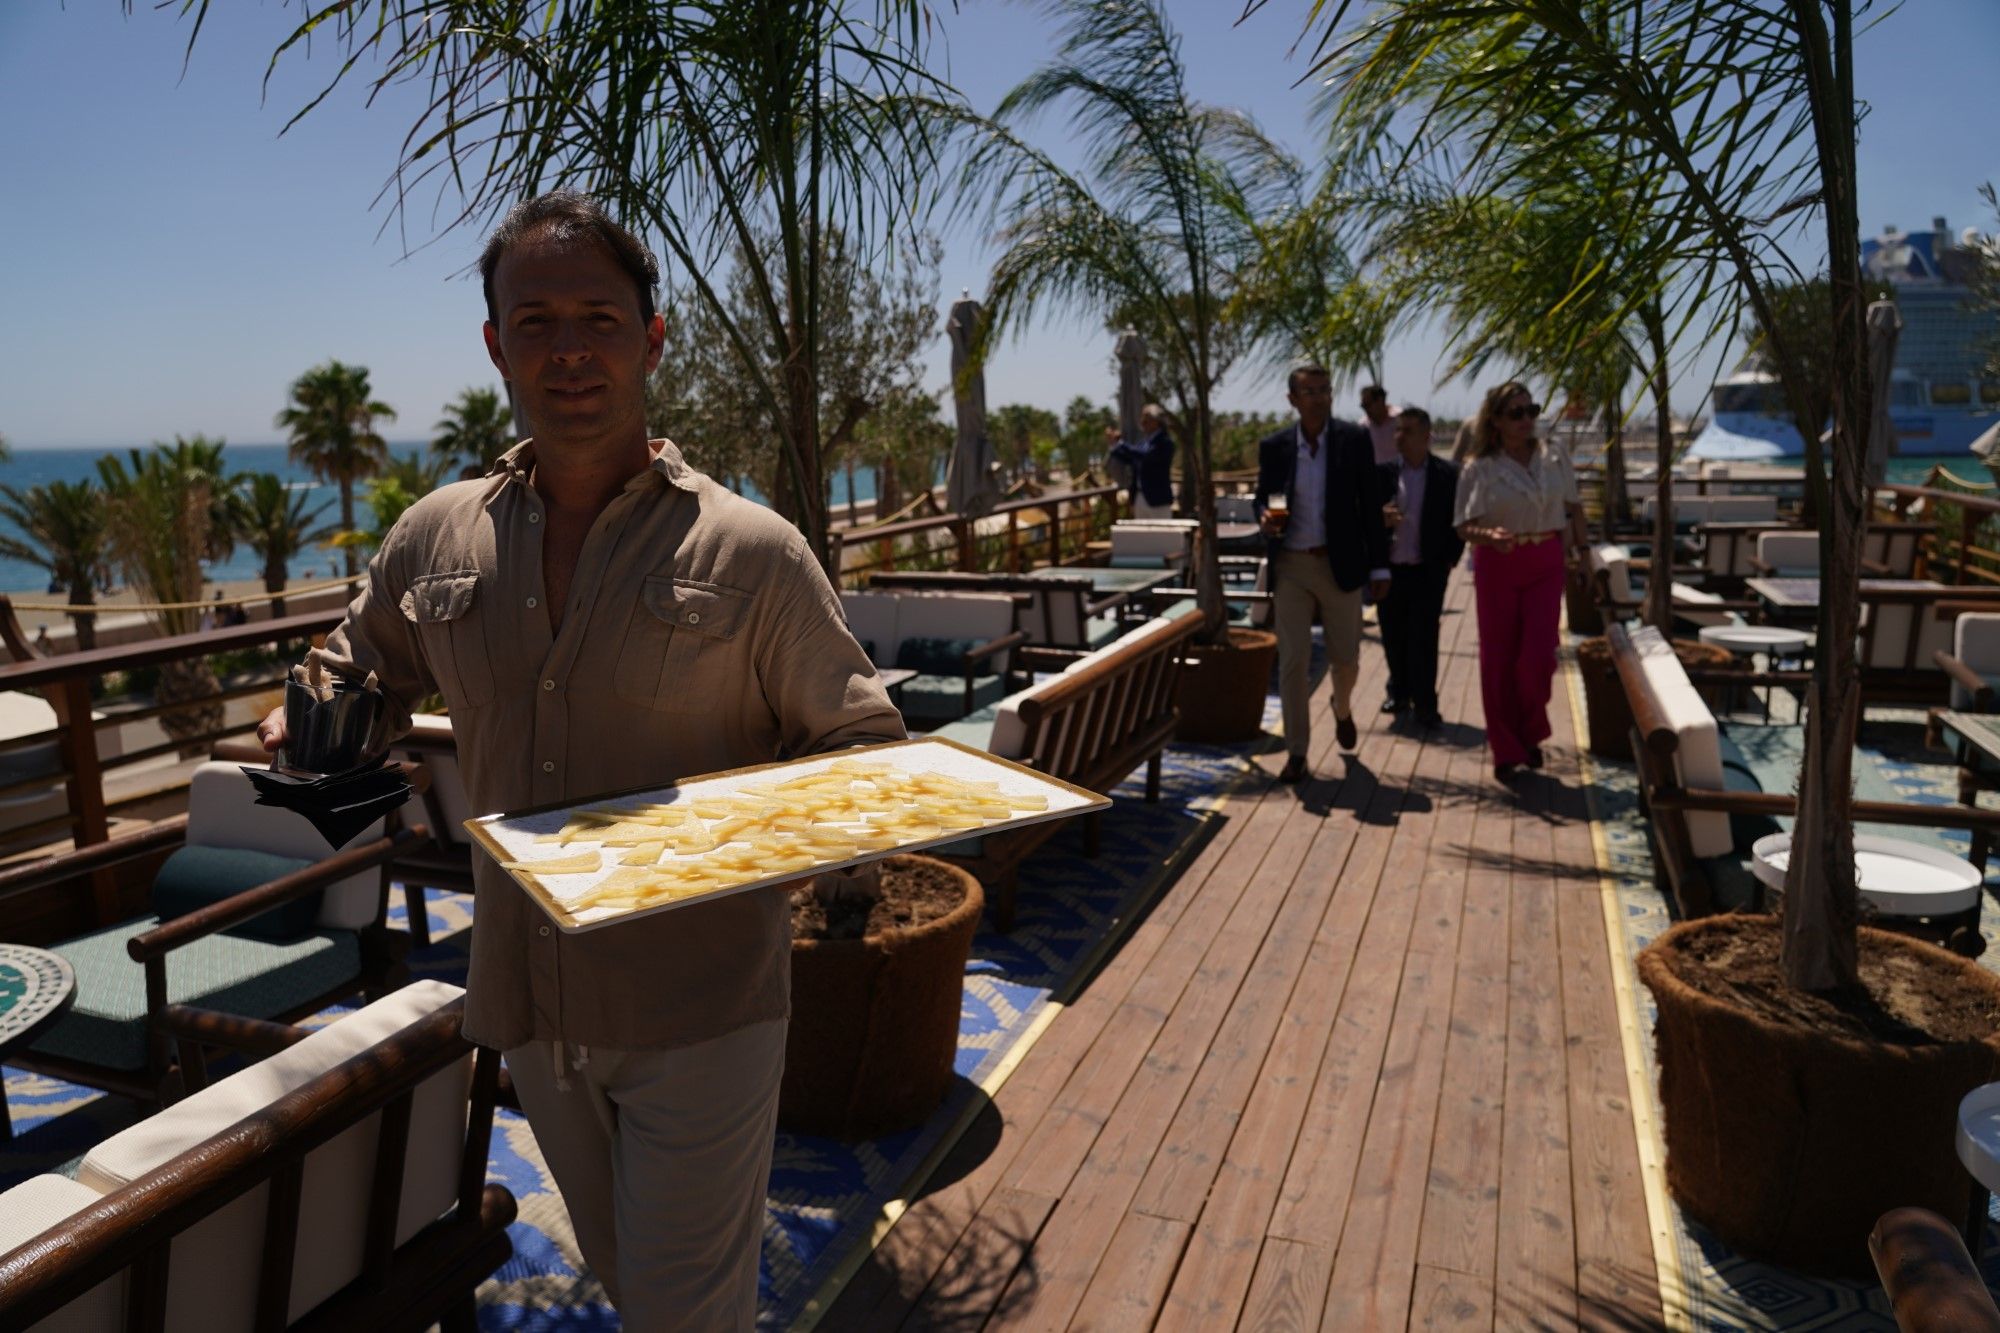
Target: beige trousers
pixel 1305 588
pixel 663 1158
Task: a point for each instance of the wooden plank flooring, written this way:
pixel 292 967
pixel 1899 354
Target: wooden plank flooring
pixel 1358 1068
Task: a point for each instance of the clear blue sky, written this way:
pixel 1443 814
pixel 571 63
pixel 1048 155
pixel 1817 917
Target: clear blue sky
pixel 171 263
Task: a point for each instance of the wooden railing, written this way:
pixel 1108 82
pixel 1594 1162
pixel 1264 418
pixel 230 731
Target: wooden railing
pixel 1965 548
pixel 66 681
pixel 1016 536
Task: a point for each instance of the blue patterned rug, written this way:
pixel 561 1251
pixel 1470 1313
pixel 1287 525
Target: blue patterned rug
pixel 827 1198
pixel 1719 1290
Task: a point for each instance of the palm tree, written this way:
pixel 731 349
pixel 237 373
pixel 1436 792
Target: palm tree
pixel 63 531
pixel 401 484
pixel 160 507
pixel 1742 113
pixel 277 525
pixel 474 431
pixel 1151 231
pixel 706 126
pixel 332 423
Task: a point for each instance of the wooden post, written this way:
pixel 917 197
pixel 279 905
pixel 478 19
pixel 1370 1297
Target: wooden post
pixel 962 529
pixel 1967 521
pixel 1055 532
pixel 77 742
pixel 1013 541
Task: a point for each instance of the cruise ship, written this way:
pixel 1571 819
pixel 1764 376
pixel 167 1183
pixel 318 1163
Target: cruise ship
pixel 1939 400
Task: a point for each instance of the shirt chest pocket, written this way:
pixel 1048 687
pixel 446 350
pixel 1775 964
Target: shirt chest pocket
pixel 444 610
pixel 680 653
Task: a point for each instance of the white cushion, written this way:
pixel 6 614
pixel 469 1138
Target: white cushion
pixel 1159 546
pixel 1698 606
pixel 447 783
pixel 34 1206
pixel 212 1283
pixel 1975 641
pixel 223 812
pixel 1616 562
pixel 871 618
pixel 1698 752
pixel 1790 553
pixel 981 616
pixel 1886 635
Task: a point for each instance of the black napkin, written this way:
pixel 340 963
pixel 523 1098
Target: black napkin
pixel 322 773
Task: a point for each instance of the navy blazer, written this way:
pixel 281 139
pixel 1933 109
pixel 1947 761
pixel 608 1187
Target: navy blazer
pixel 1357 542
pixel 1152 461
pixel 1438 542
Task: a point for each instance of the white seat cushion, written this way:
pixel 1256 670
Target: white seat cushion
pixel 979 616
pixel 212 1282
pixel 1140 546
pixel 223 812
pixel 871 619
pixel 1791 554
pixel 1616 562
pixel 447 783
pixel 1698 752
pixel 32 1207
pixel 1976 642
pixel 1698 606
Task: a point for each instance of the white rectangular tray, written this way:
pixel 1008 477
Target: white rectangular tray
pixel 515 837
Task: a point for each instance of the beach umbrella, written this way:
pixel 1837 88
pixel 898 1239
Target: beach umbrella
pixel 1987 446
pixel 969 476
pixel 1884 325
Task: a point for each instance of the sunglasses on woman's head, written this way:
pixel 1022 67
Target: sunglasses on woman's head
pixel 1528 413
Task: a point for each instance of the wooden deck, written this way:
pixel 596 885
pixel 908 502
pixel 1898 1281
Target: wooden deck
pixel 1358 1068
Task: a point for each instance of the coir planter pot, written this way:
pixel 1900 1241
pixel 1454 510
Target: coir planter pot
pixel 1788 1139
pixel 874 1027
pixel 1604 696
pixel 1223 686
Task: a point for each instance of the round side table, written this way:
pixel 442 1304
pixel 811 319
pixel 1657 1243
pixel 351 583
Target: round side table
pixel 36 989
pixel 1896 878
pixel 1746 641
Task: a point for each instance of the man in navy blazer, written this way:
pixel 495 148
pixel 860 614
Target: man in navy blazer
pixel 1326 545
pixel 1424 546
pixel 1151 460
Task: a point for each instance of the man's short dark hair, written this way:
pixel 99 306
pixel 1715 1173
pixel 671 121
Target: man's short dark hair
pixel 1375 391
pixel 1417 414
pixel 1292 380
pixel 566 214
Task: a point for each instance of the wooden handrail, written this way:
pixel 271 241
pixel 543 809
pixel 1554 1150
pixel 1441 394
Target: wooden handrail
pixel 1932 1284
pixel 1647 715
pixel 151 652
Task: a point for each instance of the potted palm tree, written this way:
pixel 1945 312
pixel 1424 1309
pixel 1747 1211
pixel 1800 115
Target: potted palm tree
pixel 1809 1070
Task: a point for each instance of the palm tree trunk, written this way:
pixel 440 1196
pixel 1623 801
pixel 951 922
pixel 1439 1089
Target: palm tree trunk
pixel 1819 947
pixel 1208 561
pixel 1660 578
pixel 347 522
pixel 853 511
pixel 1617 496
pixel 274 583
pixel 80 594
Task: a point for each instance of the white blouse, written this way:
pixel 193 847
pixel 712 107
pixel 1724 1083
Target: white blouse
pixel 1496 491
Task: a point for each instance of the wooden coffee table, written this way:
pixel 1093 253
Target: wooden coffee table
pixel 36 989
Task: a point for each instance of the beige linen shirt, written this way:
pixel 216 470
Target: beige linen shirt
pixel 700 635
pixel 1496 491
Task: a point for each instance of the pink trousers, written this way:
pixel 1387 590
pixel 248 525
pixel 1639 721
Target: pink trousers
pixel 1519 595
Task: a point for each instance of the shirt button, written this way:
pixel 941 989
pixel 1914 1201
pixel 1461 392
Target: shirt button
pixel 548 765
pixel 531 603
pixel 548 684
pixel 534 518
pixel 694 617
pixel 545 931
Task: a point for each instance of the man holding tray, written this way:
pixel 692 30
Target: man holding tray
pixel 598 616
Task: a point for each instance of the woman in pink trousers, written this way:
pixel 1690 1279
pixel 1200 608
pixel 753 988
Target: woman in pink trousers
pixel 1518 509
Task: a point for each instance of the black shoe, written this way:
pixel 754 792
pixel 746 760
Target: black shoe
pixel 1430 719
pixel 1344 732
pixel 1394 705
pixel 1294 770
pixel 1534 756
pixel 1505 772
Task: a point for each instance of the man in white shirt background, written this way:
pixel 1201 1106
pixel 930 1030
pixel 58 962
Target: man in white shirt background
pixel 1380 420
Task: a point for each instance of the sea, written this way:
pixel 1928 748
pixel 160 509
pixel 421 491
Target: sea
pixel 36 467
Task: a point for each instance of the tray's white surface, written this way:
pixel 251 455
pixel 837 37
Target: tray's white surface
pixel 1897 878
pixel 519 834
